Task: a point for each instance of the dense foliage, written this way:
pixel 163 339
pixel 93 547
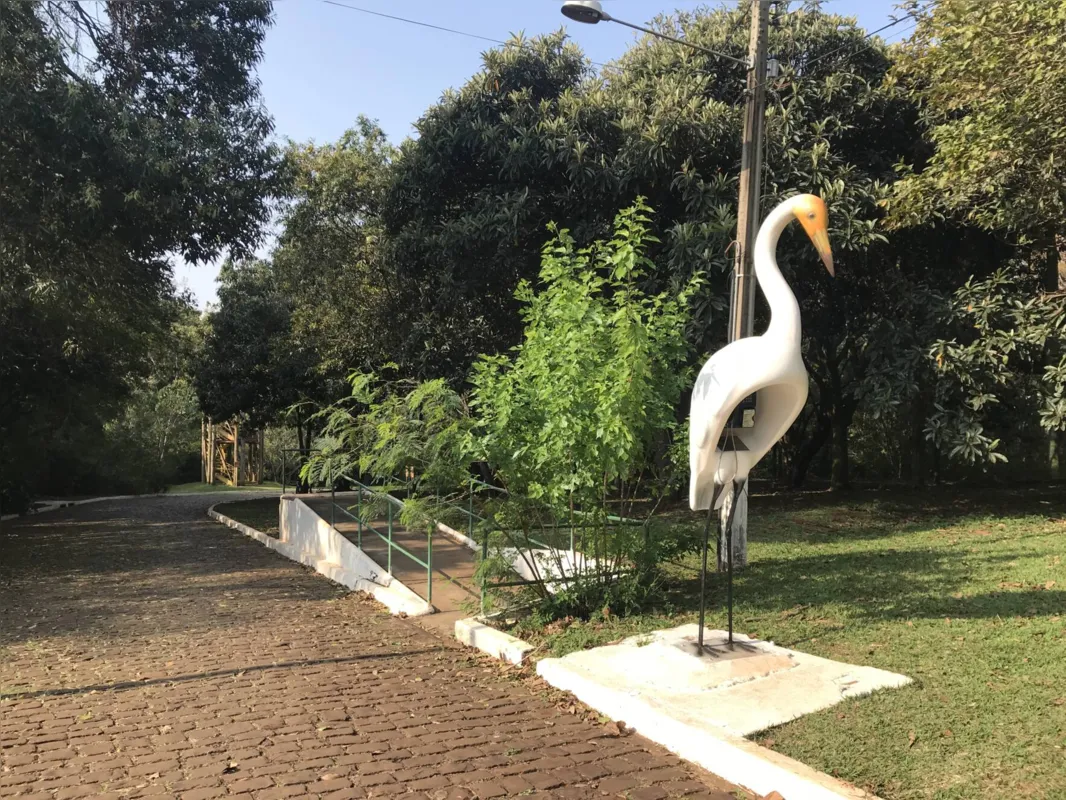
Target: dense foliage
pixel 989 81
pixel 126 137
pixel 536 137
pixel 573 426
pixel 594 385
pixel 1003 370
pixel 249 364
pixel 992 85
pixel 138 135
pixel 327 258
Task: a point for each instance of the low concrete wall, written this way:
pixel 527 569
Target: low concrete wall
pixel 54 505
pixel 547 562
pixel 552 565
pixel 307 538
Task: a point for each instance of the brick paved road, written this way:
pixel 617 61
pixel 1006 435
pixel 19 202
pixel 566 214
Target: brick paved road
pixel 146 651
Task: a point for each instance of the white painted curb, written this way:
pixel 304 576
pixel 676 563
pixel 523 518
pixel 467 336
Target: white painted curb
pixel 736 759
pixel 316 544
pixel 57 504
pixel 487 639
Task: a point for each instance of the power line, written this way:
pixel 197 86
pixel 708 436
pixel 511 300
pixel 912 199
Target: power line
pixel 436 27
pixel 892 24
pixel 416 22
pixel 903 33
pixel 911 27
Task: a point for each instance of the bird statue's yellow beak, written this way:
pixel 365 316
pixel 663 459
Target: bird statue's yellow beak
pixel 812 215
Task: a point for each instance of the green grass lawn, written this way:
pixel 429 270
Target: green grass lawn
pixel 198 488
pixel 962 591
pixel 261 514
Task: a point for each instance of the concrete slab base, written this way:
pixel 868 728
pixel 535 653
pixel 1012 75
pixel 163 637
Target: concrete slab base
pixel 701 706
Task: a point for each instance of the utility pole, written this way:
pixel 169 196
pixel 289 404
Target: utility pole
pixel 742 300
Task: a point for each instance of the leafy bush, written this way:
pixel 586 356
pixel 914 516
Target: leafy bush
pixel 594 385
pixel 1005 369
pixel 577 424
pixel 575 428
pixel 156 440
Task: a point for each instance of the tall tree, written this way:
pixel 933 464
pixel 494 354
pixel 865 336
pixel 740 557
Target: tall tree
pixel 328 257
pixel 535 137
pixel 125 138
pixel 250 365
pixel 991 81
pixel 469 199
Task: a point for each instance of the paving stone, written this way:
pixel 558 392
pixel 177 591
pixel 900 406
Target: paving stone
pixel 173 656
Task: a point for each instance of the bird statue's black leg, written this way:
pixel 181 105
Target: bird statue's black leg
pixel 729 557
pixel 703 569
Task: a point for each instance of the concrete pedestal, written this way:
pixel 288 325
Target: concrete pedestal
pixel 701 706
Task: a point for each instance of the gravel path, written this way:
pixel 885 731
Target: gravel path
pixel 148 651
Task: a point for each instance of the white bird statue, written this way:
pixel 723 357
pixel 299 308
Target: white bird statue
pixel 769 366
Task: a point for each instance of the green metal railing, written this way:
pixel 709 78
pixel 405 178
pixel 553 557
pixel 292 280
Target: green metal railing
pixel 474 522
pixel 392 504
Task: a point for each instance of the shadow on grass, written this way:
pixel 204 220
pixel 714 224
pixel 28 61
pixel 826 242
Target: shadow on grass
pixel 817 517
pixel 874 585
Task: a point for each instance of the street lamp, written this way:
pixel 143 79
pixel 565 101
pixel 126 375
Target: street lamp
pixel 587 11
pixel 591 11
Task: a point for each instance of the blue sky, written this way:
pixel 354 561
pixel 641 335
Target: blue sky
pixel 323 65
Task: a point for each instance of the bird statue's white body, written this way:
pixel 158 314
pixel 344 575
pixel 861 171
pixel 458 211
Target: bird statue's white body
pixel 769 366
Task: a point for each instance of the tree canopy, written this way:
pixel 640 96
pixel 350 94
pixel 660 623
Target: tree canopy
pixel 991 82
pixel 127 138
pixel 137 136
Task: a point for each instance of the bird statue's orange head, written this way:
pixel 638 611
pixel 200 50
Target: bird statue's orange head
pixel 809 209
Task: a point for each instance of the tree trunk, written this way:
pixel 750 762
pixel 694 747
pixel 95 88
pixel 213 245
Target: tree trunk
pixel 906 455
pixel 809 451
pixel 1057 280
pixel 839 478
pixel 301 457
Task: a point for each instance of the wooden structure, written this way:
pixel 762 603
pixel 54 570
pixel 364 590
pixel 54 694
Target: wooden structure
pixel 230 453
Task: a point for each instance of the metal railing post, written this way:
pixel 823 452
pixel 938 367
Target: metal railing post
pixel 470 512
pixel 390 538
pixel 284 467
pixel 484 558
pixel 429 567
pixel 359 514
pixel 332 499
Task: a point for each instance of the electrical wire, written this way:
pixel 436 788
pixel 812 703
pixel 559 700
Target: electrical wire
pixel 430 25
pixel 415 22
pixel 892 24
pixel 911 27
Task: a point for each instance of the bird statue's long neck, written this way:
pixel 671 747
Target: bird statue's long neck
pixel 784 310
